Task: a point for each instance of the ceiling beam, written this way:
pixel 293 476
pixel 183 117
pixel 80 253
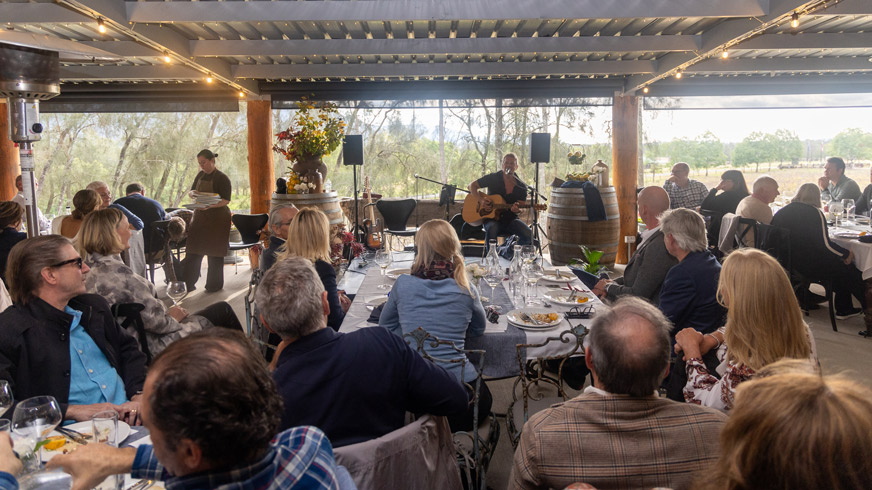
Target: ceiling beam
pixel 386 10
pixel 724 35
pixel 806 41
pixel 127 49
pixel 767 65
pixel 138 73
pixel 352 47
pixel 42 13
pixel 443 69
pixel 759 85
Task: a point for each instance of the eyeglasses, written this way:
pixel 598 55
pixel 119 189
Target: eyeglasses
pixel 77 261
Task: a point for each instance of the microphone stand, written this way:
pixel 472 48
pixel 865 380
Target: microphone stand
pixel 446 195
pixel 534 201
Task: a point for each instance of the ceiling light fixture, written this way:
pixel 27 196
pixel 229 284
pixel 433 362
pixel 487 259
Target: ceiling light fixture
pixel 166 57
pixel 209 78
pixel 678 74
pixel 241 94
pixel 101 26
pixel 794 20
pixel 725 54
pixel 645 90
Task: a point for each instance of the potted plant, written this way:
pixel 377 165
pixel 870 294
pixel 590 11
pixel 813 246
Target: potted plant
pixel 317 130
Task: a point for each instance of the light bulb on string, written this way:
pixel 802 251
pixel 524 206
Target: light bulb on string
pixel 101 27
pixel 645 90
pixel 678 74
pixel 794 20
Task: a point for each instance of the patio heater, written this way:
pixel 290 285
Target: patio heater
pixel 27 75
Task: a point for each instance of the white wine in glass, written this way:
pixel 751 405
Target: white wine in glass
pixel 383 259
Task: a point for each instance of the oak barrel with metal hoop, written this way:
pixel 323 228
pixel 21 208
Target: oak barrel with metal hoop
pixel 325 201
pixel 568 226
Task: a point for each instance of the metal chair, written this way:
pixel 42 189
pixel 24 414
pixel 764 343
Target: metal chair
pixel 265 340
pixel 396 213
pixel 475 450
pixel 156 247
pixel 250 227
pixel 131 316
pixel 534 378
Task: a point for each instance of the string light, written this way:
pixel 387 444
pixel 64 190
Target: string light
pixel 101 26
pixel 645 90
pixel 678 74
pixel 725 54
pixel 241 94
pixel 166 57
pixel 794 20
pixel 209 78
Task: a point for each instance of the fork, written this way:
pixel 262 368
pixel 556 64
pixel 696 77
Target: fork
pixel 528 318
pixel 76 436
pixel 141 485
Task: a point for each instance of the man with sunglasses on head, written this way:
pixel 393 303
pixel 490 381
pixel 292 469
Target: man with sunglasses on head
pixel 56 340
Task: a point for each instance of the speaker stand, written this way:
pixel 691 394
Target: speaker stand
pixel 355 229
pixel 538 232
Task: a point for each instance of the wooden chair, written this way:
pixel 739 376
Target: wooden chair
pixel 527 390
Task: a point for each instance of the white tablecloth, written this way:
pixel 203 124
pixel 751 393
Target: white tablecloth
pixel 496 363
pixel 862 251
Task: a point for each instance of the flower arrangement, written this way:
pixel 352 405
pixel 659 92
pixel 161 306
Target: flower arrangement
pixel 475 270
pixel 298 184
pixel 343 248
pixel 315 131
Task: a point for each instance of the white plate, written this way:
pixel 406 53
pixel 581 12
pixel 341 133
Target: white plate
pixel 84 428
pixel 847 234
pixel 194 205
pixel 514 317
pixel 395 273
pixel 373 301
pixel 565 276
pixel 561 297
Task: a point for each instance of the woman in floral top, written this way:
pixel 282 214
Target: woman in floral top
pixel 103 236
pixel 764 324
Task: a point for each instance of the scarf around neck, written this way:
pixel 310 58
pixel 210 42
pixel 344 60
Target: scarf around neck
pixel 436 270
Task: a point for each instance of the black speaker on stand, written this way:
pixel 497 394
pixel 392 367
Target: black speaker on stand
pixel 540 152
pixel 352 154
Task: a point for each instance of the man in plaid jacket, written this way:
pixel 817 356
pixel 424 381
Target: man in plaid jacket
pixel 619 433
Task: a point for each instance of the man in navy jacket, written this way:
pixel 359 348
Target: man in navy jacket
pixel 356 386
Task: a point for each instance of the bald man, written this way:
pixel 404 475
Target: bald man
pixel 756 206
pixel 647 267
pixel 683 191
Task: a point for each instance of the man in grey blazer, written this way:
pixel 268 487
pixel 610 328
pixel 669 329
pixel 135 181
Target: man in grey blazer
pixel 647 268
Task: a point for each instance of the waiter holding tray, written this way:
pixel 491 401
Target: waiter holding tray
pixel 209 232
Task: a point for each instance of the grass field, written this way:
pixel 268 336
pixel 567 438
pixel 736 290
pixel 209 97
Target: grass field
pixel 789 179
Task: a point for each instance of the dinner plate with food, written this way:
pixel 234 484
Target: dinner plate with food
pixel 849 234
pixel 558 276
pixel 567 298
pixel 57 443
pixel 395 273
pixel 534 318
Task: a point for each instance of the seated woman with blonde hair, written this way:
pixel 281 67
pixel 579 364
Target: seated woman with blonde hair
pixel 85 202
pixel 764 325
pixel 102 238
pixel 795 429
pixel 438 297
pixel 309 237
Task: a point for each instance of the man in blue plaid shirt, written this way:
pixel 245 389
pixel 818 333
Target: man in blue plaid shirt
pixel 683 191
pixel 212 411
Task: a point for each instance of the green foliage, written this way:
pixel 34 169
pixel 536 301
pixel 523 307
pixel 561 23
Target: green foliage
pixel 317 130
pixel 852 144
pixel 591 260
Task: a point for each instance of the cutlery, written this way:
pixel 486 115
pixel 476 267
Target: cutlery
pixel 141 485
pixel 529 319
pixel 76 436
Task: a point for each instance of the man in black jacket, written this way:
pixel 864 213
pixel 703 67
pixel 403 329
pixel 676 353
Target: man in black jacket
pixel 55 340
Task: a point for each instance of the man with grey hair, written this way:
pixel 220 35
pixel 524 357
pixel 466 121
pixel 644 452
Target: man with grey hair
pixel 279 220
pixel 619 433
pixel 689 297
pixel 356 386
pixel 756 206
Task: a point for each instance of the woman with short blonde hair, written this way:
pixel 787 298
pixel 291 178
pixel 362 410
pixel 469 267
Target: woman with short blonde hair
pixel 104 235
pixel 795 430
pixel 437 296
pixel 764 324
pixel 309 237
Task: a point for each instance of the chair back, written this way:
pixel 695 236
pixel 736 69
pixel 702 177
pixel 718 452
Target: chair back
pixel 130 315
pixel 775 241
pixel 534 379
pixel 249 226
pixel 419 456
pixel 157 239
pixel 746 226
pixel 396 212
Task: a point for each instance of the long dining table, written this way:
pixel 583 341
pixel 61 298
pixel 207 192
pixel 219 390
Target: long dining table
pixel 500 341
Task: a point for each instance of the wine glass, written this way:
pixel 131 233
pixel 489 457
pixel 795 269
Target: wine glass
pixel 6 398
pixel 837 210
pixel 532 273
pixel 33 420
pixel 493 276
pixel 848 205
pixel 528 254
pixel 383 259
pixel 177 290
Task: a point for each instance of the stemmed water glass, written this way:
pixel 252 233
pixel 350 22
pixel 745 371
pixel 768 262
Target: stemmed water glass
pixel 848 208
pixel 837 209
pixel 383 259
pixel 33 420
pixel 6 398
pixel 493 276
pixel 177 290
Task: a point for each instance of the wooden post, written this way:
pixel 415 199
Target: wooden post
pixel 9 164
pixel 625 164
pixel 261 172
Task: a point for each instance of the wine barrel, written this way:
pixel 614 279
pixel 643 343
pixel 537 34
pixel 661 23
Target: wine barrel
pixel 568 226
pixel 325 201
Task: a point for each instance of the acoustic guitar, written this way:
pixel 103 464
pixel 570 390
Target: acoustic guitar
pixel 475 215
pixel 371 225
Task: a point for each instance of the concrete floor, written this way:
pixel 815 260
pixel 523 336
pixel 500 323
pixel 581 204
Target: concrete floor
pixel 842 352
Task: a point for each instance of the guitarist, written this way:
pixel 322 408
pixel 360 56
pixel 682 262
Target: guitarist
pixel 507 184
